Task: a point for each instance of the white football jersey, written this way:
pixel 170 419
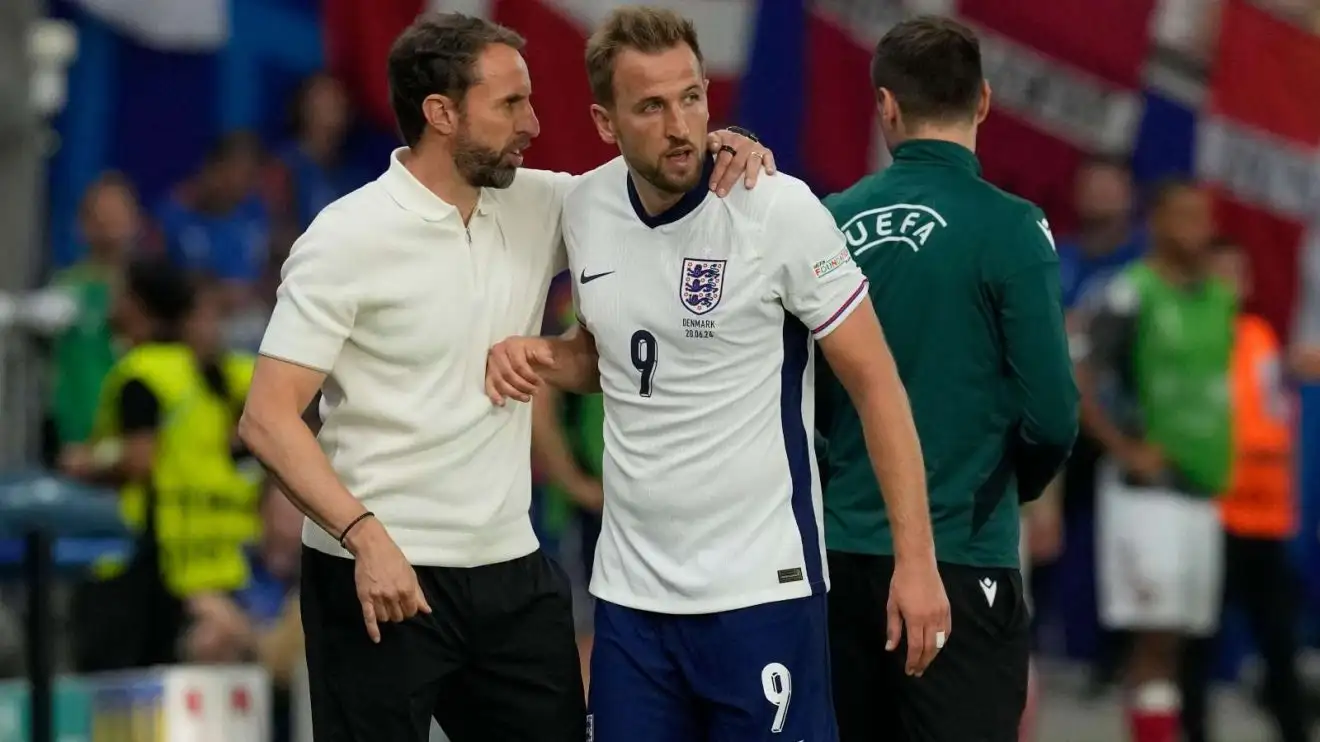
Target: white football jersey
pixel 704 317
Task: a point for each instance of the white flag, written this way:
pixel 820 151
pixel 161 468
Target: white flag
pixel 167 25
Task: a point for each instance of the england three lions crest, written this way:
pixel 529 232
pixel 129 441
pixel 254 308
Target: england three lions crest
pixel 701 284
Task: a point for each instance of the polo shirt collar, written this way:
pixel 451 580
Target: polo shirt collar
pixel 937 151
pixel 409 193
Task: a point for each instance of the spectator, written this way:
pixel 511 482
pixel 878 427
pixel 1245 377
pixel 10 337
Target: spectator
pixel 163 435
pixel 1304 357
pixel 1106 240
pixel 111 224
pixel 259 622
pixel 216 224
pixel 1259 513
pixel 311 172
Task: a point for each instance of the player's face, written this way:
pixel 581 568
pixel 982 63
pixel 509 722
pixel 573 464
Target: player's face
pixel 1186 222
pixel 659 117
pixel 496 121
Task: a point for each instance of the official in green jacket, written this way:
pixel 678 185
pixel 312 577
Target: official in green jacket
pixel 965 281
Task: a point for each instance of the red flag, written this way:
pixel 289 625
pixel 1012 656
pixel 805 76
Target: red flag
pixel 1259 144
pixel 359 34
pixel 1060 90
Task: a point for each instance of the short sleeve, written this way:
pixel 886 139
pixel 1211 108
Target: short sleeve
pixel 314 307
pixel 812 270
pixel 1108 324
pixel 139 409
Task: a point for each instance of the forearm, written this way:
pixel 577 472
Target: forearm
pixel 1094 419
pixel 278 648
pixel 576 367
pixel 286 447
pixel 550 449
pixel 891 442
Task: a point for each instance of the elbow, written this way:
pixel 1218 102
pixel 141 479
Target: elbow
pixel 1063 432
pixel 1055 426
pixel 253 429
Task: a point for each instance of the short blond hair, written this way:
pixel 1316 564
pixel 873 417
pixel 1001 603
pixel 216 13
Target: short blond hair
pixel 644 29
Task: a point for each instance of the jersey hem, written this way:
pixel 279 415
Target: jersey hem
pixel 1012 563
pixel 442 549
pixel 673 607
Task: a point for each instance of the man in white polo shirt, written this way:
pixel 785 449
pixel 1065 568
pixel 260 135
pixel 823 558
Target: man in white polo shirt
pixel 418 491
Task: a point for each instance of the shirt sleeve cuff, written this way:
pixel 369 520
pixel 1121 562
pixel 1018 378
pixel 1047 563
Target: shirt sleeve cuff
pixel 300 343
pixel 853 301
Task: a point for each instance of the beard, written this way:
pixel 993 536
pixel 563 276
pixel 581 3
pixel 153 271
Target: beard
pixel 654 172
pixel 483 167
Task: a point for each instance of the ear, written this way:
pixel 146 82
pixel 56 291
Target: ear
pixel 604 125
pixel 983 107
pixel 887 106
pixel 441 113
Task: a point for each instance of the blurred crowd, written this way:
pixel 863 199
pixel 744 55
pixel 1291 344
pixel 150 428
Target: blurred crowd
pixel 193 276
pixel 198 272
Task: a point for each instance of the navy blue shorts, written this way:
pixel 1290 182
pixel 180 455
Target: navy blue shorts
pixel 759 673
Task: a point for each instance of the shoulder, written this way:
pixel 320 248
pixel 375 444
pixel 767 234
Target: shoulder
pixel 1121 295
pixel 776 199
pixel 535 191
pixel 1257 329
pixel 606 181
pixel 348 223
pixel 150 360
pixel 1013 211
pixel 845 204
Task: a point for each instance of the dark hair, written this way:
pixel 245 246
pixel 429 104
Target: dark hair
pixel 162 288
pixel 932 67
pixel 1167 188
pixel 647 30
pixel 1224 245
pixel 437 55
pixel 295 114
pixel 233 144
pixel 1103 161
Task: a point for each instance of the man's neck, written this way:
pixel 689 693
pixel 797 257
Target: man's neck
pixel 440 176
pixel 963 134
pixel 654 200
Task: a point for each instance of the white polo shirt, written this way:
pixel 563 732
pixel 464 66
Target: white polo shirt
pixel 398 302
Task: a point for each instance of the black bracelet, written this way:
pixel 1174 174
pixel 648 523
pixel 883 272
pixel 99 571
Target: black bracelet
pixel 744 132
pixel 352 523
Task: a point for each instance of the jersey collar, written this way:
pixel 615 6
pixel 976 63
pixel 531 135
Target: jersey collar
pixel 935 151
pixel 686 205
pixel 409 193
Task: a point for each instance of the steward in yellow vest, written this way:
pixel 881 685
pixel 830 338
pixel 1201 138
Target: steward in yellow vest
pixel 164 434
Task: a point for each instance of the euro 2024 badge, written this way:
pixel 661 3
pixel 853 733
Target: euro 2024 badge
pixel 701 284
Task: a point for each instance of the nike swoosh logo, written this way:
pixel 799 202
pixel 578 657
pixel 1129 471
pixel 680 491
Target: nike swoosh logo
pixel 585 279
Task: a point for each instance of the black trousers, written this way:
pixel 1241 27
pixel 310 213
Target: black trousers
pixel 1258 578
pixel 495 661
pixel 974 690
